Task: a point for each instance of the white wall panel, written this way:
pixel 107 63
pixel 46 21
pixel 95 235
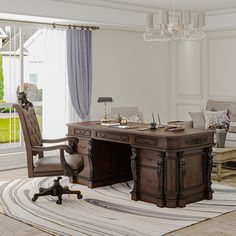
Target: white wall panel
pixel 189 72
pixel 222 67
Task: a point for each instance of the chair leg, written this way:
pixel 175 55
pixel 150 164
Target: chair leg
pixel 56 190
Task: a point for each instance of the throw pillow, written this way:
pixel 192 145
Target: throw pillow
pixel 213 118
pixel 198 119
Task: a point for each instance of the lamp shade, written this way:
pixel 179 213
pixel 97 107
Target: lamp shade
pixel 104 99
pixel 149 20
pixel 163 17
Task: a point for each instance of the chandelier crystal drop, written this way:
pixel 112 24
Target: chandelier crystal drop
pixel 181 25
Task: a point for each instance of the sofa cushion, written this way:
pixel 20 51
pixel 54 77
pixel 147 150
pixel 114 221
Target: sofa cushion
pixel 198 119
pixel 213 118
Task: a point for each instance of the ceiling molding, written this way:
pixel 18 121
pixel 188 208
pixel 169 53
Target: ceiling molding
pixel 112 5
pixel 225 11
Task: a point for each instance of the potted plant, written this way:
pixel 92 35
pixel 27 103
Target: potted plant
pixel 221 129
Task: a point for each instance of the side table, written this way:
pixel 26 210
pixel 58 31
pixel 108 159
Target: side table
pixel 220 156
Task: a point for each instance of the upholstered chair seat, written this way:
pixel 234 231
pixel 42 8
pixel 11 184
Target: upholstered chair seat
pixel 53 163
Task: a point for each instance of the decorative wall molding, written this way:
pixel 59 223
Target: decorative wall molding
pixel 224 94
pixel 199 94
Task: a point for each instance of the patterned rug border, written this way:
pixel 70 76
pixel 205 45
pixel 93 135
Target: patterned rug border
pixel 117 192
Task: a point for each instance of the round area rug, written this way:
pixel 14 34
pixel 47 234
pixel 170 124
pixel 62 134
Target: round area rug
pixel 105 210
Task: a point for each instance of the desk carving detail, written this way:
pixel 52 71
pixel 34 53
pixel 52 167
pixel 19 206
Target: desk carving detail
pixel 209 165
pixel 134 171
pixel 161 176
pixel 90 157
pixel 182 171
pixel 195 141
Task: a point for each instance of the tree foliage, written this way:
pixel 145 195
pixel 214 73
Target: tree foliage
pixel 1 80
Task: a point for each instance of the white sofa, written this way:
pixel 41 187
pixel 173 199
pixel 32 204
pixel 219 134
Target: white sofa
pixel 231 107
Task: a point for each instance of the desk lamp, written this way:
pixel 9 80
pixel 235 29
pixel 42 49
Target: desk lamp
pixel 105 100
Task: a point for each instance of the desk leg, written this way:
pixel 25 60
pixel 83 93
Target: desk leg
pixel 134 192
pixel 161 178
pixel 218 170
pixel 91 157
pixel 209 165
pixel 182 171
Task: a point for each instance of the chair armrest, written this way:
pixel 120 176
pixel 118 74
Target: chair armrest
pixel 68 138
pixel 65 166
pixel 64 147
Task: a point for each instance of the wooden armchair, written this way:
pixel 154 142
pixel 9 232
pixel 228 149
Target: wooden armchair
pixel 69 165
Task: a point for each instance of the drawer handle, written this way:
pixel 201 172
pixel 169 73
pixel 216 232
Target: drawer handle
pixel 102 135
pixel 123 137
pixel 149 158
pixel 81 132
pixel 144 140
pixel 149 180
pixel 82 147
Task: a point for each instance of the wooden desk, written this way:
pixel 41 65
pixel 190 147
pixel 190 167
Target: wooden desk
pixel 169 169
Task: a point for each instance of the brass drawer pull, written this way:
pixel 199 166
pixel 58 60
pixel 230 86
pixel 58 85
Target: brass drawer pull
pixel 82 147
pixel 144 140
pixel 82 132
pixel 149 180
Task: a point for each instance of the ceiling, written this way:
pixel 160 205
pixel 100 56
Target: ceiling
pixel 196 5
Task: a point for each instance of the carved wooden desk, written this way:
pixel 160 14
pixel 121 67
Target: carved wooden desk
pixel 168 169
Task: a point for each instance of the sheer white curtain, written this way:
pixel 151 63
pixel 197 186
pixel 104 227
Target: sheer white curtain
pixel 54 84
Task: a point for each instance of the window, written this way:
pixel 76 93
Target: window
pixel 33 78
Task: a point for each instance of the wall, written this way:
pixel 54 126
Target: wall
pixel 201 71
pixel 133 72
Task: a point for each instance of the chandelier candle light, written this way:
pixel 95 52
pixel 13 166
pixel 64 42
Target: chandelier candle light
pixel 180 25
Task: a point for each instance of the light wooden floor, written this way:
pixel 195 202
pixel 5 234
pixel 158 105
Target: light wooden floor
pixel 224 225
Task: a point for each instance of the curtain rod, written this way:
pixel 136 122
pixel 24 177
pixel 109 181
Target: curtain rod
pixel 54 25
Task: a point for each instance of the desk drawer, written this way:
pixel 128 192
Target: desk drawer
pixel 83 146
pixel 149 158
pixel 148 180
pixel 146 141
pixel 113 136
pixel 82 132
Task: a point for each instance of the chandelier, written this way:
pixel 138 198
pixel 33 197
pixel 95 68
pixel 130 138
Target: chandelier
pixel 180 25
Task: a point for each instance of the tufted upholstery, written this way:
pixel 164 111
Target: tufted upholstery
pixel 45 165
pixel 70 165
pixel 32 126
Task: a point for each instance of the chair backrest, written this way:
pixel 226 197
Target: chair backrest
pixel 126 112
pixel 29 123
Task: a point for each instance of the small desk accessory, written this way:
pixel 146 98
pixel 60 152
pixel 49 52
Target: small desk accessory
pixel 153 123
pixel 159 122
pixel 105 118
pixel 174 128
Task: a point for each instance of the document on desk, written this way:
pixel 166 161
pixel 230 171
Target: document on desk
pixel 110 124
pixel 123 127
